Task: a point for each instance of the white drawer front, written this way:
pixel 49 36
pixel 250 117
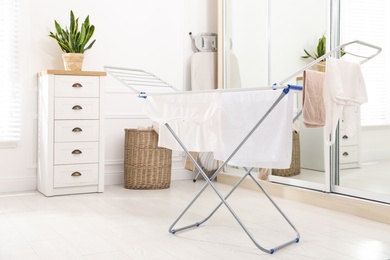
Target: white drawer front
pixel 347 140
pixel 76 86
pixel 76 108
pixel 76 130
pixel 76 175
pixel 73 153
pixel 349 154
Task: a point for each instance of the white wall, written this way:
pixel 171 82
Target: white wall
pixel 295 25
pixel 150 34
pixel 270 46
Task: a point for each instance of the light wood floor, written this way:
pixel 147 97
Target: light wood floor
pixel 133 224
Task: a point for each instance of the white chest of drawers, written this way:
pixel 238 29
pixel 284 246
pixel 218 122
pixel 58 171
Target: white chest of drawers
pixel 70 127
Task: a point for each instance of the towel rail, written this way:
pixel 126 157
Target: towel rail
pixel 335 50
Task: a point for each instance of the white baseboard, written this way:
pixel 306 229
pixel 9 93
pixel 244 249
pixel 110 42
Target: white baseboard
pixel 18 184
pixel 113 176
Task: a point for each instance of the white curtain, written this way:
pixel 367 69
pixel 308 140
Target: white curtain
pixel 10 100
pixel 369 21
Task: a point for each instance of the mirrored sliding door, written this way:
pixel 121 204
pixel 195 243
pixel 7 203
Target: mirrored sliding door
pixel 364 168
pixel 264 42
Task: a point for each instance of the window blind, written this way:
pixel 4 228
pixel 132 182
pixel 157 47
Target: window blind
pixel 10 100
pixel 368 20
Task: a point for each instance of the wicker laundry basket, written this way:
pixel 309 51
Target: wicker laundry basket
pixel 146 165
pixel 295 166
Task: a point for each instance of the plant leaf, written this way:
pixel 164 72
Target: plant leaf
pixel 89 46
pixel 73 40
pixel 308 55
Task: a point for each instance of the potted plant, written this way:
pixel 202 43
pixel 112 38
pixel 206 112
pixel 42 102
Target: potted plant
pixel 320 51
pixel 73 41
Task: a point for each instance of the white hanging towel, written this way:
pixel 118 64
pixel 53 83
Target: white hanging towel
pixel 194 117
pixel 344 89
pixel 270 145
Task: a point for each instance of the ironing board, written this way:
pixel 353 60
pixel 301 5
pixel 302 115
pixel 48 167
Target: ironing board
pixel 141 78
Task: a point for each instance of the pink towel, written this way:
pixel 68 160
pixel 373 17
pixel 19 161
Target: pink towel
pixel 313 109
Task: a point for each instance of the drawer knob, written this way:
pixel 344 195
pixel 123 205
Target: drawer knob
pixel 76 174
pixel 77 129
pixel 77 85
pixel 345 136
pixel 77 151
pixel 345 154
pixel 77 107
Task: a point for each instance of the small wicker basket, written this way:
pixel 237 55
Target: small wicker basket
pixel 295 166
pixel 146 165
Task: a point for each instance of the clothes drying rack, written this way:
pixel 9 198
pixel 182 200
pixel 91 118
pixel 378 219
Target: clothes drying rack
pixel 138 81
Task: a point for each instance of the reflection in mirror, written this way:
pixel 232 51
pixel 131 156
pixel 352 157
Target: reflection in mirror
pixel 247 60
pixel 365 158
pixel 266 41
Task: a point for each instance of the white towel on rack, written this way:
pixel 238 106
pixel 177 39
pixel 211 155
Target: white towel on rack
pixel 194 117
pixel 270 145
pixel 344 90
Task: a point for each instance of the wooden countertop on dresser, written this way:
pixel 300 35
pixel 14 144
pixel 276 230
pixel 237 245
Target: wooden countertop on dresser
pixel 73 73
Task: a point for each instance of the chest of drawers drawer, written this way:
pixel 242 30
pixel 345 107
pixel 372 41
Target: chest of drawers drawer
pixel 76 86
pixel 75 175
pixel 73 153
pixel 346 140
pixel 76 130
pixel 349 154
pixel 76 108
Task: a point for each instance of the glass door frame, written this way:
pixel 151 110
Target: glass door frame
pixel 330 158
pixel 335 187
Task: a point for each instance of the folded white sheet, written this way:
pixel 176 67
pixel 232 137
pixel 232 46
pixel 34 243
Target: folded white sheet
pixel 219 121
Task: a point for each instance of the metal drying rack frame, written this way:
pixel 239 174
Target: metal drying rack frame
pixel 133 77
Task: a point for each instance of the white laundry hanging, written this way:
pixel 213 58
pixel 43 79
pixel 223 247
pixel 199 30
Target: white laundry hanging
pixel 344 90
pixel 218 121
pixel 270 145
pixel 195 118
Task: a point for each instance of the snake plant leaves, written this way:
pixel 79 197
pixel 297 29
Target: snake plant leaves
pixel 74 40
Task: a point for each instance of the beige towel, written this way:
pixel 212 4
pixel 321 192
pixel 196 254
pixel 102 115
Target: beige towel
pixel 313 109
